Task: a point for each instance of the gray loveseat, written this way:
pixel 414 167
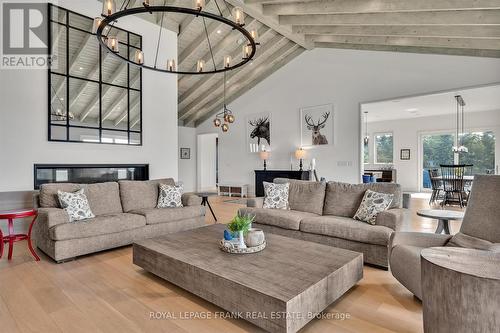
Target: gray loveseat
pixel 125 212
pixel 323 213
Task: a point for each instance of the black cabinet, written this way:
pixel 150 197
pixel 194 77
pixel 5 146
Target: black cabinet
pixel 269 175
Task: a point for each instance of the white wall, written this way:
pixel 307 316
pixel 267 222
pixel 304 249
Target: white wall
pixel 206 162
pixel 23 116
pixel 406 133
pixel 345 78
pixel 187 168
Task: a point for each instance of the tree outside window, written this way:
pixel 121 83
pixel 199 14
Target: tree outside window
pixel 384 148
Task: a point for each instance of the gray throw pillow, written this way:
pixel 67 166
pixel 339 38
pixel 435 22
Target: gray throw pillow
pixel 75 204
pixel 169 196
pixel 372 204
pixel 276 195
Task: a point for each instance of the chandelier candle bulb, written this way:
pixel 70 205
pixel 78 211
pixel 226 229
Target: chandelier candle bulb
pixel 200 65
pixel 199 4
pixel 113 44
pixel 96 24
pixel 146 3
pixel 225 128
pixel 171 65
pixel 238 16
pixel 108 7
pixel 255 35
pixel 227 61
pixel 217 122
pixel 246 51
pixel 139 57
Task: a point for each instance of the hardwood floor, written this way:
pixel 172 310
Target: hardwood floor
pixel 105 292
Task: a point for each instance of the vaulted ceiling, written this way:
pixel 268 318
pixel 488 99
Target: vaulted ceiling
pixel 289 27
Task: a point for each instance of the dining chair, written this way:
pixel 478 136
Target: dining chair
pixel 437 185
pixel 453 184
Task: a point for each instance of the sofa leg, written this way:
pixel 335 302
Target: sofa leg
pixel 377 266
pixel 65 260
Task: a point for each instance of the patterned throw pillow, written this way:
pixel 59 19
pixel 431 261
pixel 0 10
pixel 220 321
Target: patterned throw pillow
pixel 76 205
pixel 372 204
pixel 276 195
pixel 169 196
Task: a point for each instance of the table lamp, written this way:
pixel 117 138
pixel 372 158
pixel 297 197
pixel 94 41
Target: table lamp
pixel 264 155
pixel 299 154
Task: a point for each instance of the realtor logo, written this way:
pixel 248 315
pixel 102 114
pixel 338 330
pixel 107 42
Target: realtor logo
pixel 25 40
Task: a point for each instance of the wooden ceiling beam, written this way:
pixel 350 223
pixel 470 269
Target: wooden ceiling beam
pixel 244 87
pixel 193 107
pixel 460 17
pixel 413 49
pixel 490 31
pixel 219 47
pixel 373 6
pixel 200 39
pixel 255 10
pixel 434 42
pixel 235 53
pixel 217 94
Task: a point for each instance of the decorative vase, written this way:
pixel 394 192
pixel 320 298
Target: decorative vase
pixel 241 244
pixel 254 237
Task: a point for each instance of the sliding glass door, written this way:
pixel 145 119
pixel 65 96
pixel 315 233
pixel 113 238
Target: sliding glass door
pixel 437 149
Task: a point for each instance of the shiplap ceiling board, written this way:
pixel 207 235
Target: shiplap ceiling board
pixel 453 27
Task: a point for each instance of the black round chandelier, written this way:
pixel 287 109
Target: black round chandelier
pixel 103 27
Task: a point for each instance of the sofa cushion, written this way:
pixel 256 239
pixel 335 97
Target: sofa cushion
pixel 306 196
pixel 164 215
pixel 346 228
pixel 48 193
pixel 169 196
pixel 141 194
pixel 286 219
pixel 343 199
pixel 100 225
pixel 104 198
pixel 462 240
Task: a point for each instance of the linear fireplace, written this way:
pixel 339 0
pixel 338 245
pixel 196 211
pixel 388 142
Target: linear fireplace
pixel 88 173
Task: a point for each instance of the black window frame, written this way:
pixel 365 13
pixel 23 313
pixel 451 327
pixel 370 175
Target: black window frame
pixel 67 76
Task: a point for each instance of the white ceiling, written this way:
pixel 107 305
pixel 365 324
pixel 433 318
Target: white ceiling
pixel 476 99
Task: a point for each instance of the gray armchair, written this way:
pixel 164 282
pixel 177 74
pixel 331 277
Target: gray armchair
pixel 480 230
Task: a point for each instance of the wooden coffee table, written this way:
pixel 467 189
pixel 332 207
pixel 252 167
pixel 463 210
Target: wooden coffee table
pixel 279 289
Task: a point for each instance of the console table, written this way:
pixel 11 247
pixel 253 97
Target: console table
pixel 262 176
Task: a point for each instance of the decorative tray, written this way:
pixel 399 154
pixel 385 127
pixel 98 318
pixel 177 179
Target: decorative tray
pixel 231 248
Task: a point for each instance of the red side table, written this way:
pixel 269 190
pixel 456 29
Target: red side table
pixel 11 238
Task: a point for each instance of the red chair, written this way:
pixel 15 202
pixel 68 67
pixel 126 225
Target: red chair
pixel 1 244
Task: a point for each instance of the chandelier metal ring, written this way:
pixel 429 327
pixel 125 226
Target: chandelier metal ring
pixel 110 19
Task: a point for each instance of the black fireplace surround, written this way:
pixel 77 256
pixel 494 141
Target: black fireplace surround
pixel 88 173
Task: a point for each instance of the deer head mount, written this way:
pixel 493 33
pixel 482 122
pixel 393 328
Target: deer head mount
pixel 261 130
pixel 317 137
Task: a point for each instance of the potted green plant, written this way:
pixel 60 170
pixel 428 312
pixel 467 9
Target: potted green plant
pixel 241 224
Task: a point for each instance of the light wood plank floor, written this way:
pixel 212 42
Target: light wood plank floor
pixel 105 292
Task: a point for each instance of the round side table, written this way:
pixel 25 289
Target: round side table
pixel 11 238
pixel 460 290
pixel 443 216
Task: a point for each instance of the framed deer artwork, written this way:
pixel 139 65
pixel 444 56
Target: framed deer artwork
pixel 316 125
pixel 258 132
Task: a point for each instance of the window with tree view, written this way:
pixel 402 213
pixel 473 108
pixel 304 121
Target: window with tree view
pixel 384 148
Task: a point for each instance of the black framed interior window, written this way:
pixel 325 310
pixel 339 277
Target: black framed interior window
pixel 94 97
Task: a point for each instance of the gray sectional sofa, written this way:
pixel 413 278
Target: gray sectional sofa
pixel 323 213
pixel 125 212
